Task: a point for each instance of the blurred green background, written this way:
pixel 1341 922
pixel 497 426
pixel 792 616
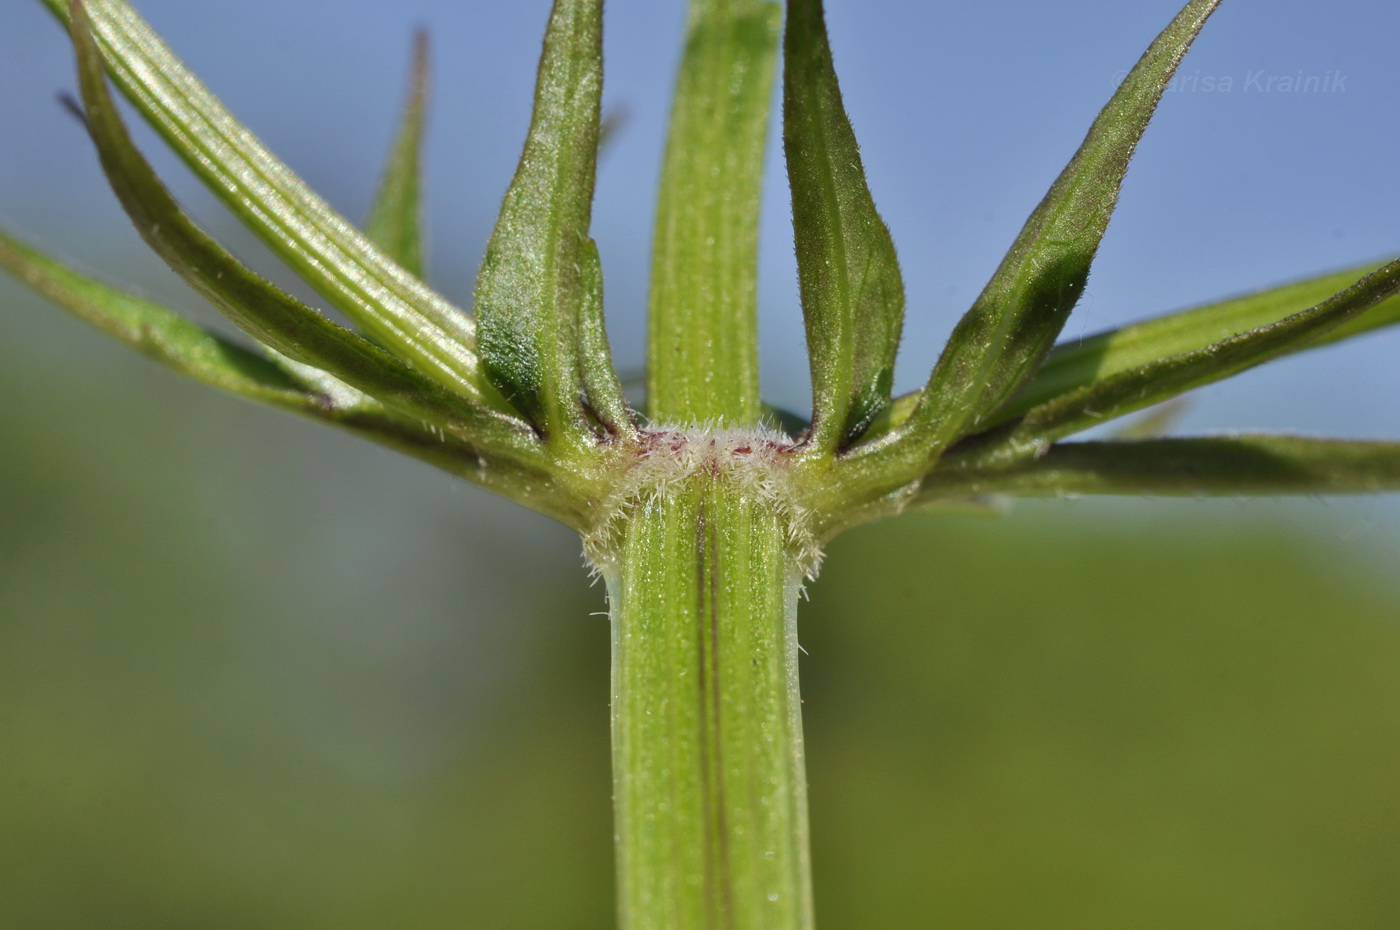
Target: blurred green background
pixel 256 674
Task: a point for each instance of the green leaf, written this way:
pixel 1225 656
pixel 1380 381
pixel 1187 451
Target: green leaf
pixel 1001 341
pixel 1076 364
pixel 393 306
pixel 188 348
pixel 1216 465
pixel 534 282
pixel 600 382
pixel 154 330
pixel 852 292
pixel 702 355
pixel 1157 380
pixel 395 221
pixel 265 312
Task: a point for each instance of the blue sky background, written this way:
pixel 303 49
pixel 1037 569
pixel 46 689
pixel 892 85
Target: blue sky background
pixel 965 112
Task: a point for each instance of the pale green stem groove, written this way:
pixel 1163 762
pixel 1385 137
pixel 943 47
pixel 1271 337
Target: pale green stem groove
pixel 703 575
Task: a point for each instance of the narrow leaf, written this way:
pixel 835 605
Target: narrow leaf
pixel 533 282
pixel 600 382
pixel 1004 337
pixel 852 292
pixel 1073 365
pixel 393 306
pixel 264 311
pixel 395 221
pixel 1160 379
pixel 189 349
pixel 1216 465
pixel 702 355
pixel 153 330
pixel 1076 364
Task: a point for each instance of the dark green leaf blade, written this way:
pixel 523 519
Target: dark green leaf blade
pixel 395 307
pixel 1004 337
pixel 395 221
pixel 532 285
pixel 265 312
pixel 1163 378
pixel 1073 365
pixel 852 291
pixel 1188 466
pixel 702 321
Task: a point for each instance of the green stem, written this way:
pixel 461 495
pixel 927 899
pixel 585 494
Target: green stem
pixel 709 784
pixel 702 321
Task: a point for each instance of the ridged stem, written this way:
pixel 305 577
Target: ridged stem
pixel 709 784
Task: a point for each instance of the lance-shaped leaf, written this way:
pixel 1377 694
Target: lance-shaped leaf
pixel 154 330
pixel 1163 378
pixel 265 312
pixel 1214 465
pixel 183 346
pixel 533 282
pixel 601 385
pixel 1077 364
pixel 188 348
pixel 395 221
pixel 702 320
pixel 390 304
pixel 1000 342
pixel 852 292
pixel 1073 365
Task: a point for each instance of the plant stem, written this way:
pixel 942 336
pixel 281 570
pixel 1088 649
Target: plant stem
pixel 702 318
pixel 709 785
